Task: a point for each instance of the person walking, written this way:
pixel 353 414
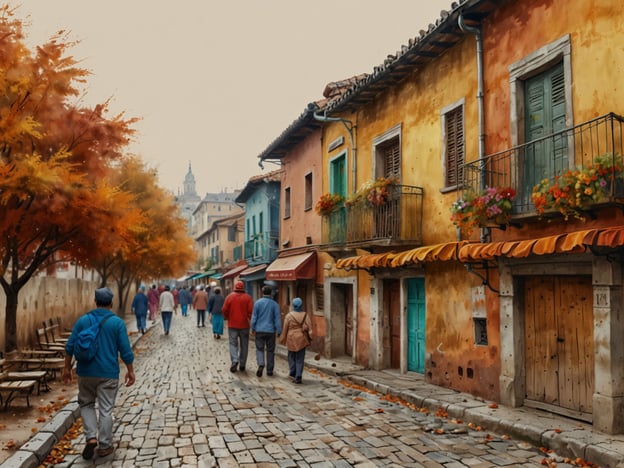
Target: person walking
pixel 153 297
pixel 297 337
pixel 237 310
pixel 140 306
pixel 185 297
pixel 200 304
pixel 167 306
pixel 215 308
pixel 98 379
pixel 266 324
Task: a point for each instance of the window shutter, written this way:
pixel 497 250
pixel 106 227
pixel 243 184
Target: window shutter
pixel 454 121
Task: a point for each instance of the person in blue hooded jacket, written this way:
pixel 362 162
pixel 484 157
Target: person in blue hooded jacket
pixel 98 379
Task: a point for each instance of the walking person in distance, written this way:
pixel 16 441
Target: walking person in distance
pixel 98 379
pixel 167 306
pixel 237 310
pixel 215 308
pixel 185 298
pixel 200 304
pixel 297 337
pixel 140 306
pixel 266 324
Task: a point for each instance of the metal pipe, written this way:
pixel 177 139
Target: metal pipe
pixel 480 97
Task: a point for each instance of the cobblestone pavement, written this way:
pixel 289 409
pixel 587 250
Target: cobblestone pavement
pixel 188 409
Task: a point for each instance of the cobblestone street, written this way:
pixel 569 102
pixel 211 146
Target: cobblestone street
pixel 188 409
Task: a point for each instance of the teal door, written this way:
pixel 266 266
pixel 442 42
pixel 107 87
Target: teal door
pixel 545 116
pixel 416 325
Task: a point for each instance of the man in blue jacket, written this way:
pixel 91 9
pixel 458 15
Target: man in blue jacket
pixel 266 324
pixel 98 379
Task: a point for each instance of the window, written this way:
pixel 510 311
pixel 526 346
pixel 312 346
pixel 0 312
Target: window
pixel 232 233
pixel 307 195
pixel 454 149
pixel 287 202
pixel 541 104
pixel 387 154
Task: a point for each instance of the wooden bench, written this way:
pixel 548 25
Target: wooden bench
pixel 8 369
pixel 12 389
pixel 51 331
pixel 45 345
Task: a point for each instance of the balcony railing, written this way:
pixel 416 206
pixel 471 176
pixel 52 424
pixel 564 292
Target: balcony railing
pixel 262 247
pixel 525 166
pixel 398 220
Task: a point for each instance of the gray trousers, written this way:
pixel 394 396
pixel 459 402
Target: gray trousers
pixel 103 391
pixel 238 339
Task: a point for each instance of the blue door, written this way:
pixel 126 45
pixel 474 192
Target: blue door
pixel 416 325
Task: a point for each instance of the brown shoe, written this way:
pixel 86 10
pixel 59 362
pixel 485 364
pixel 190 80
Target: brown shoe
pixel 105 452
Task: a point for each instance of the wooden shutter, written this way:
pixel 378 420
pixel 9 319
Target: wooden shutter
pixel 454 121
pixel 391 154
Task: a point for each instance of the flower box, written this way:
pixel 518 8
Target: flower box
pixel 574 191
pixel 490 207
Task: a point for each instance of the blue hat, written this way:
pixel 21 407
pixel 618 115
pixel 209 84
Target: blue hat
pixel 297 304
pixel 103 296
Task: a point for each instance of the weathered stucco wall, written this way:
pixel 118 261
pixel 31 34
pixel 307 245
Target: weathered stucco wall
pixel 452 358
pixel 44 298
pixel 596 29
pixel 302 160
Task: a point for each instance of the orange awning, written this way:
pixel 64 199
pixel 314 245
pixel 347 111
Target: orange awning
pixel 380 260
pixel 571 242
pixel 430 253
pixel 302 266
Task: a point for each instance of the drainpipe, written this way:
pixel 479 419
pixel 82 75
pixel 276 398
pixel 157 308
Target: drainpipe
pixel 349 126
pixel 480 87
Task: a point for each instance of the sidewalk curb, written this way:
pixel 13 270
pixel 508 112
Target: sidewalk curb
pixel 37 448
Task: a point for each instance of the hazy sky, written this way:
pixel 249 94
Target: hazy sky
pixel 215 82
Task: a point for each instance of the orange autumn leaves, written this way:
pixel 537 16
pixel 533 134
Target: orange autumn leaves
pixel 442 413
pixel 67 190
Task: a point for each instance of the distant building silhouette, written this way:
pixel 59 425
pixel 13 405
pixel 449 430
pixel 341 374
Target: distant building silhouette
pixel 188 200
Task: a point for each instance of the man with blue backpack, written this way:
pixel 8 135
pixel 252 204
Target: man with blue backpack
pixel 98 339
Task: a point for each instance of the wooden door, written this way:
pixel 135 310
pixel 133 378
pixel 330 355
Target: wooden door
pixel 559 342
pixel 348 298
pixel 392 312
pixel 416 324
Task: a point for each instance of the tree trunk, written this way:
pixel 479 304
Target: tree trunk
pixel 10 322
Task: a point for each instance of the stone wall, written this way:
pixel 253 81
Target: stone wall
pixel 44 298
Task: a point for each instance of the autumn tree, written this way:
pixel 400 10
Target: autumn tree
pixel 55 159
pixel 158 246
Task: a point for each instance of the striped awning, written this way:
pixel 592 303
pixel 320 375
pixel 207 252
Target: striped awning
pixel 430 253
pixel 571 242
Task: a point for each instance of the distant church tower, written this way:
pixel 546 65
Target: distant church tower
pixel 189 182
pixel 188 200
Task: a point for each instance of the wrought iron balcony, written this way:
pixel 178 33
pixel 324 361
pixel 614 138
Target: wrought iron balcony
pixel 262 247
pixel 398 219
pixel 555 160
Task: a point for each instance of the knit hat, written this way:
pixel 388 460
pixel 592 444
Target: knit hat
pixel 297 304
pixel 239 286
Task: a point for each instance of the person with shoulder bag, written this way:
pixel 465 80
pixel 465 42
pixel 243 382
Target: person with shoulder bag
pixel 297 336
